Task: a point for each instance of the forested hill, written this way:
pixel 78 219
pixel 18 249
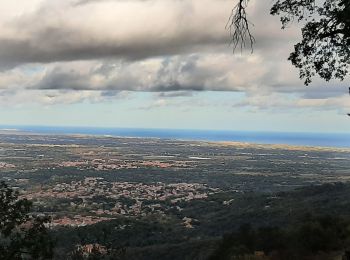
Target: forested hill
pixel 221 214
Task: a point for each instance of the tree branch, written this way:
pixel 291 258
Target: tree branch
pixel 239 26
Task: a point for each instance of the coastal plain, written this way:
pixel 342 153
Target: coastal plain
pixel 159 193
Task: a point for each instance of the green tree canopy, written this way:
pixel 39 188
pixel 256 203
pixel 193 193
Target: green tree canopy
pixel 325 46
pixel 22 236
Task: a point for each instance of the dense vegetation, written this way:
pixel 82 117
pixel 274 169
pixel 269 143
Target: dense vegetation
pixel 22 235
pixel 307 222
pixel 303 222
pixel 312 237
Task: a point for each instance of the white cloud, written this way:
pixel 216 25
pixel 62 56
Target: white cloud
pixel 89 50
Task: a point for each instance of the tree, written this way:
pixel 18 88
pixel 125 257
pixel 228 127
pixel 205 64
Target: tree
pixel 325 46
pixel 22 236
pixel 302 239
pixel 96 252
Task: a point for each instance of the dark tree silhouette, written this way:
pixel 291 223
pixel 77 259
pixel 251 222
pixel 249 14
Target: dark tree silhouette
pixel 303 239
pixel 325 46
pixel 22 236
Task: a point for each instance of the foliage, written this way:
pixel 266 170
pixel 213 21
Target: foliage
pixel 22 236
pixel 309 237
pixel 96 252
pixel 324 48
pixel 270 214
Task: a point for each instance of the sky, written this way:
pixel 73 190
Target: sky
pixel 156 64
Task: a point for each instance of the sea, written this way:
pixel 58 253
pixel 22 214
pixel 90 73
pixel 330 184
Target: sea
pixel 341 140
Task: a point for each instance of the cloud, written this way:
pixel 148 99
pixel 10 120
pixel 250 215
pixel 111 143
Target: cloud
pixel 285 103
pixel 22 98
pixel 60 33
pixel 175 94
pixel 184 73
pixel 63 31
pixel 67 30
pixel 77 50
pixel 156 104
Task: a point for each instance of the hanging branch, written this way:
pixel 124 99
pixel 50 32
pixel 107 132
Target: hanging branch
pixel 239 26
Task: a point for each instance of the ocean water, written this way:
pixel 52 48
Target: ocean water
pixel 307 139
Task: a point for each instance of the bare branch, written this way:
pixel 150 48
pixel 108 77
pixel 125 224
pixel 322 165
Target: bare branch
pixel 239 26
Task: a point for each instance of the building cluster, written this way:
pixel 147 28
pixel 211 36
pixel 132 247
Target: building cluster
pixel 114 164
pixel 4 165
pixel 104 199
pixel 77 221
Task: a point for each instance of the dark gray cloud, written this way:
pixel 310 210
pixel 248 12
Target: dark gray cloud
pixel 69 30
pixel 183 74
pixel 175 94
pixel 131 30
pixel 44 50
pixel 58 79
pixel 165 74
